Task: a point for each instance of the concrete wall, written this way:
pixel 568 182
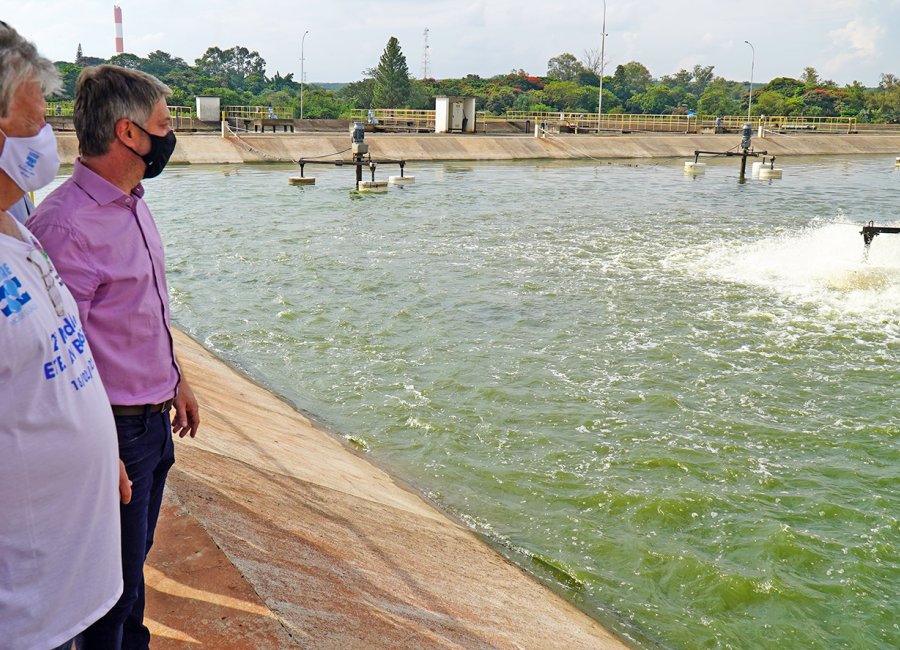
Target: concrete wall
pixel 212 148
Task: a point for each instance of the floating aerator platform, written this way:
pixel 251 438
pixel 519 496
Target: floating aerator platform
pixel 361 158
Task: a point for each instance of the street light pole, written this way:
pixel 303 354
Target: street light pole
pixel 602 67
pixel 752 64
pixel 302 59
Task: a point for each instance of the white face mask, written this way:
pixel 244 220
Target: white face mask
pixel 31 162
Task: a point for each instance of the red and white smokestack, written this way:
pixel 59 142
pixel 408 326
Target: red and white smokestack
pixel 120 40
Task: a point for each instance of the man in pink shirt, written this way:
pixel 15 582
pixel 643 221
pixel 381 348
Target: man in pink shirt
pixel 104 242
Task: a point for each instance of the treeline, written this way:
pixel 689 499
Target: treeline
pixel 237 75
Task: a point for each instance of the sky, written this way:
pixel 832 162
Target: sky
pixel 844 40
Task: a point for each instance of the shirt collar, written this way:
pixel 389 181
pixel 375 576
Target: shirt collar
pixel 98 188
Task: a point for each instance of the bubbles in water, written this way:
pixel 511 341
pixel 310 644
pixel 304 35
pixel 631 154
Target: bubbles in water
pixel 823 264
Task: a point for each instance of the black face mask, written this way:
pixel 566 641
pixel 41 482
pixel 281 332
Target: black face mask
pixel 161 148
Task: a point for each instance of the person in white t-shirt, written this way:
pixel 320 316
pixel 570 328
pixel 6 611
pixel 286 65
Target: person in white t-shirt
pixel 60 478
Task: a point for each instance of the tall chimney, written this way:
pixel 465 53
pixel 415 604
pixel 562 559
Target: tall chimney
pixel 120 40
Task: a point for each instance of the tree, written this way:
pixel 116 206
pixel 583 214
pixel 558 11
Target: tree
pixel 229 97
pixel 888 81
pixel 587 78
pixel 569 96
pixel 692 81
pixel 823 101
pixel 794 106
pixel 630 79
pixel 283 83
pixel 810 77
pixel 520 80
pixel 769 102
pixel 855 100
pixel 500 100
pixel 884 104
pixel 716 100
pixel 69 75
pixel 358 94
pixel 126 60
pixel 391 77
pixel 657 100
pixel 703 76
pixel 232 66
pixel 611 103
pixel 472 84
pixel 321 104
pixel 91 60
pixel 681 79
pixel 160 64
pixel 421 94
pixel 591 61
pixel 564 67
pixel 785 85
pixel 255 83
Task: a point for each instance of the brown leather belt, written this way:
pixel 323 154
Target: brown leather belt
pixel 140 409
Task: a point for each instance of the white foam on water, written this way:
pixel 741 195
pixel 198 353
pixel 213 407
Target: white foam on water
pixel 824 264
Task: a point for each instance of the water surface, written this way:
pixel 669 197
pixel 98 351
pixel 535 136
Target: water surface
pixel 672 398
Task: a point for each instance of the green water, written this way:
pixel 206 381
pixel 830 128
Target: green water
pixel 672 398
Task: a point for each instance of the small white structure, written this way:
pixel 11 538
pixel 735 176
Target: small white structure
pixel 454 114
pixel 692 168
pixel 209 109
pixel 372 187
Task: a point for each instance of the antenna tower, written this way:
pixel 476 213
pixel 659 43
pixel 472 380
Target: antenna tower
pixel 425 61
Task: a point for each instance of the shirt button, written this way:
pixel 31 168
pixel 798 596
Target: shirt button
pixel 127 201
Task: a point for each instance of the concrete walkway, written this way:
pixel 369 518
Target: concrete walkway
pixel 274 535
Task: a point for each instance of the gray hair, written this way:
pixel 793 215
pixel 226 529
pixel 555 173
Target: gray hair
pixel 20 62
pixel 105 94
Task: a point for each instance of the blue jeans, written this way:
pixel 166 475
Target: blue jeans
pixel 146 448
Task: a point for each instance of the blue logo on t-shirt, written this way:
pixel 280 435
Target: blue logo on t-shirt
pixel 11 295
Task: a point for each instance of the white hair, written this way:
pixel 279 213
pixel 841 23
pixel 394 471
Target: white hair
pixel 19 63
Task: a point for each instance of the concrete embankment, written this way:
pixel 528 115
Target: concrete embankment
pixel 275 535
pixel 212 148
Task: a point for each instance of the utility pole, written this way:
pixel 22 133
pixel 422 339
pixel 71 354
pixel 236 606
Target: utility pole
pixel 602 67
pixel 752 64
pixel 302 60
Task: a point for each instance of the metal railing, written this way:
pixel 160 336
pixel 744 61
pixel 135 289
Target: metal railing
pixel 877 128
pixel 395 119
pixel 259 112
pixel 181 117
pixel 59 109
pixel 391 119
pixel 626 123
pixel 622 122
pixel 795 123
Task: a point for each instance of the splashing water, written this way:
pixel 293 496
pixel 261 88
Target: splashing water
pixel 823 264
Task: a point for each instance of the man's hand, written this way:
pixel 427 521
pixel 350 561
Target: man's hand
pixel 187 411
pixel 124 484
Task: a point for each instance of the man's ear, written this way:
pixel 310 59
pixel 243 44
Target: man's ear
pixel 126 132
